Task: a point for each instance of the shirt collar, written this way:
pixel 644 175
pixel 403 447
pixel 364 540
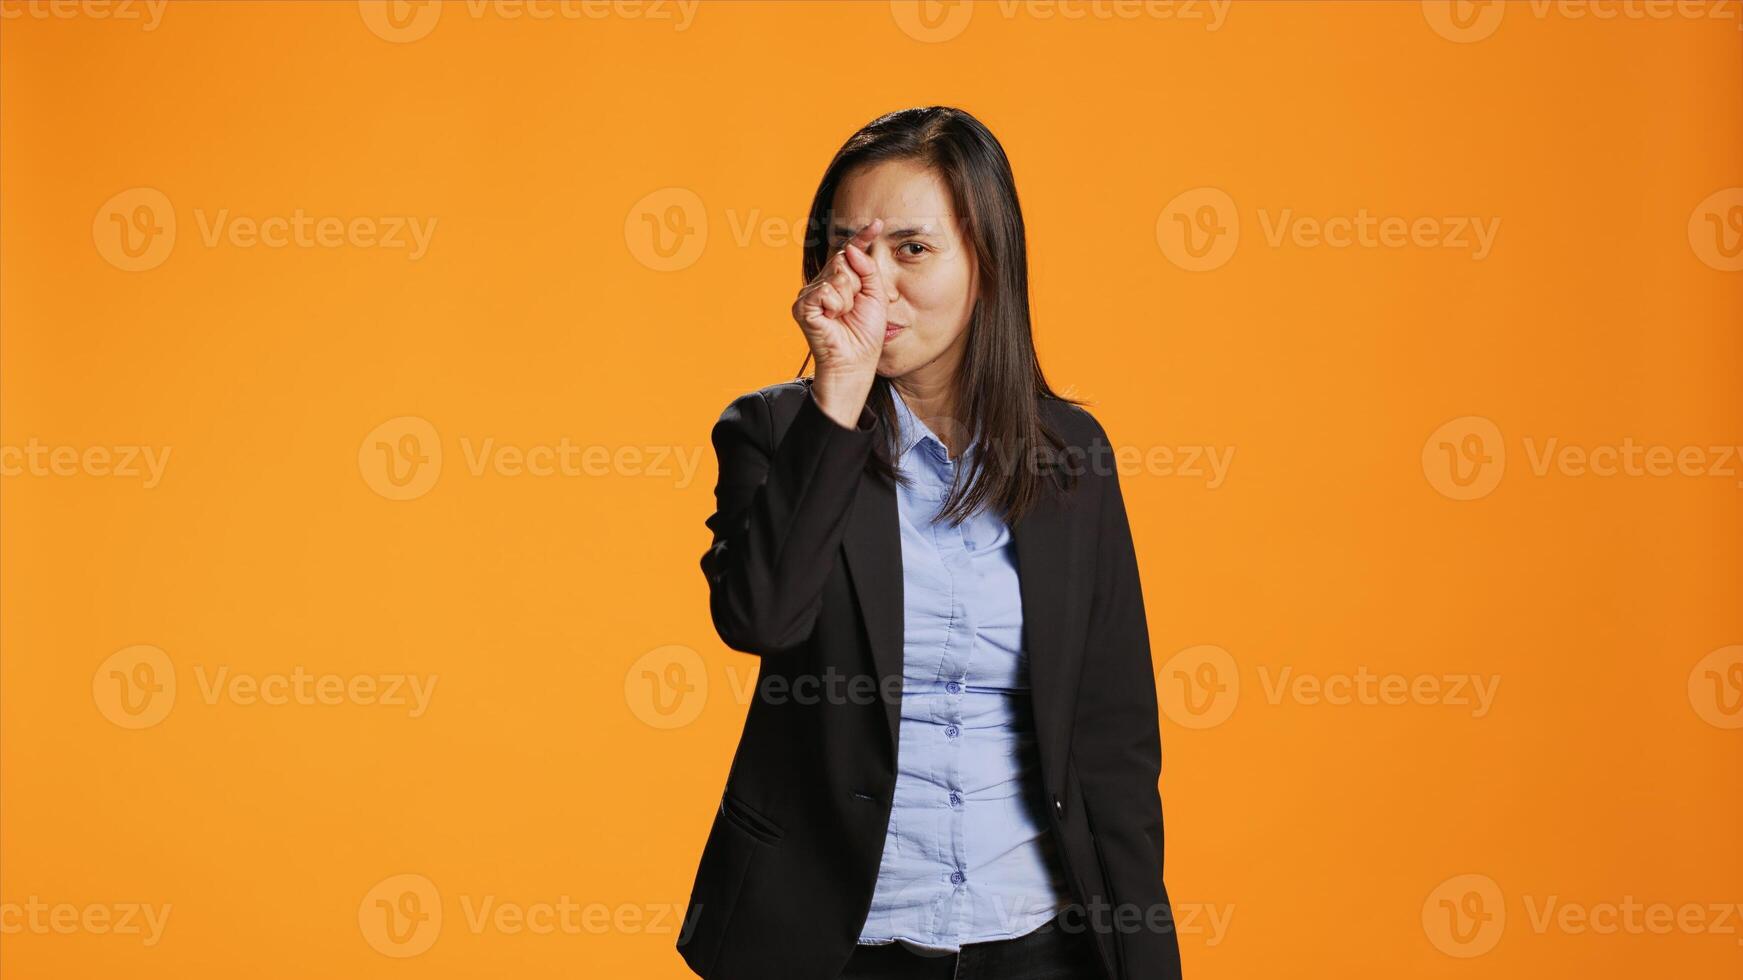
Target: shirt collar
pixel 912 430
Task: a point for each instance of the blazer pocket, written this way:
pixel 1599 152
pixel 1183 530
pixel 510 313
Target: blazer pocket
pixel 1101 860
pixel 742 816
pixel 1101 863
pixel 726 859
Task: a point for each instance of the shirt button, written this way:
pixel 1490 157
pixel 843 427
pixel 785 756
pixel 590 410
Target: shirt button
pixel 953 687
pixel 951 731
pixel 957 877
pixel 956 799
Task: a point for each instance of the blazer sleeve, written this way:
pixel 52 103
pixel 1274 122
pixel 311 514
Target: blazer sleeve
pixel 1117 749
pixel 780 512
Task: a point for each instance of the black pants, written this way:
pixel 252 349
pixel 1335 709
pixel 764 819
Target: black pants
pixel 1052 952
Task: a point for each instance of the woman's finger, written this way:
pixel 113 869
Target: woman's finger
pixel 831 268
pixel 867 279
pixel 863 238
pixel 830 301
pixel 845 282
pixel 812 294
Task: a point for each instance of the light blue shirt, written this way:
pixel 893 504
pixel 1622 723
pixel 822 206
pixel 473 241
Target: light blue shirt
pixel 968 857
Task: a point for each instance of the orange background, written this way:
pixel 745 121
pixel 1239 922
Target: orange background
pixel 549 608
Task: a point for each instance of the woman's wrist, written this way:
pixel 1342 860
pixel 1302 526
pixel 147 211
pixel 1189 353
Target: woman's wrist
pixel 842 398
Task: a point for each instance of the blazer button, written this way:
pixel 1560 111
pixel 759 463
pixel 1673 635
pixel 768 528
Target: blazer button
pixel 1058 807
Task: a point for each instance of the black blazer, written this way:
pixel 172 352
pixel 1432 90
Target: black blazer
pixel 805 571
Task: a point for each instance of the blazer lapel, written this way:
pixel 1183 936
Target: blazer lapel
pixel 1050 592
pixel 873 545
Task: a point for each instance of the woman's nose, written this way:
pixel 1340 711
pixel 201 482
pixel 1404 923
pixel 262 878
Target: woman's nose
pixel 887 270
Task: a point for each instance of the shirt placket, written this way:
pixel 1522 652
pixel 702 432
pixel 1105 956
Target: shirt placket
pixel 953 667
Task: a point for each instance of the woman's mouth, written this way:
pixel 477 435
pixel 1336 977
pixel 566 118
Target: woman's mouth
pixel 891 329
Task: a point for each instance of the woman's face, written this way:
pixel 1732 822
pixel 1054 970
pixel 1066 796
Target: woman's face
pixel 930 274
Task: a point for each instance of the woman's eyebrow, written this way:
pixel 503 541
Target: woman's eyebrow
pixel 918 231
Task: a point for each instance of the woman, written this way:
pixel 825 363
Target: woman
pixel 950 765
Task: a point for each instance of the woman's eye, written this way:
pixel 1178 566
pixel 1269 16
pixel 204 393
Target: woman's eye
pixel 921 248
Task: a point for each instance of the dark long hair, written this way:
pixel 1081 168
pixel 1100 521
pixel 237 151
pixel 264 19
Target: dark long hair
pixel 1000 385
